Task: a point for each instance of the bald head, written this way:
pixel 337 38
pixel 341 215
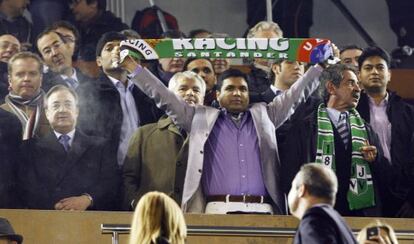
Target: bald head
pixel 9 46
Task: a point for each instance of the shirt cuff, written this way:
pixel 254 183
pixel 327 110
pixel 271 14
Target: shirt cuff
pixel 90 198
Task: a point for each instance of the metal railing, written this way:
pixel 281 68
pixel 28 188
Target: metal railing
pixel 194 230
pixel 117 7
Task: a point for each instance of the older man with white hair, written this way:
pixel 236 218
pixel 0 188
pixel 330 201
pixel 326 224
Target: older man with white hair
pixel 157 154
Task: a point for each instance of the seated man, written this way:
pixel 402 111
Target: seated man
pixel 335 135
pixel 66 169
pixel 9 46
pixel 233 161
pixel 25 98
pixel 157 154
pixel 311 200
pixel 57 54
pixel 204 68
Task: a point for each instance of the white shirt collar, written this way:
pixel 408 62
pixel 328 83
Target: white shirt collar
pixel 73 76
pixel 71 134
pixel 383 102
pixel 118 83
pixel 334 115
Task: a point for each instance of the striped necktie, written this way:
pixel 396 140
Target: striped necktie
pixel 343 128
pixel 72 83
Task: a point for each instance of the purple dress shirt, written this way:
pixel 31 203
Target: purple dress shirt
pixel 232 158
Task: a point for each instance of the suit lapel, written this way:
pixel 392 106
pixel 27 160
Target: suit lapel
pixel 79 145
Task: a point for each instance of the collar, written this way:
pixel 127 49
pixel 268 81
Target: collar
pixel 276 90
pixel 384 101
pixel 71 134
pixel 118 83
pixel 334 114
pixel 74 75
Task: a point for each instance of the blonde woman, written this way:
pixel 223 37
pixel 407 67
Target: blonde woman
pixel 157 220
pixel 377 233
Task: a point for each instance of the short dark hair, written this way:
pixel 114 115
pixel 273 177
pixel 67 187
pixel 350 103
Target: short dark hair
pixel 319 180
pixel 48 31
pixel 372 52
pixel 108 37
pixel 189 60
pixel 350 47
pixel 67 25
pixel 101 4
pixel 230 73
pixel 335 74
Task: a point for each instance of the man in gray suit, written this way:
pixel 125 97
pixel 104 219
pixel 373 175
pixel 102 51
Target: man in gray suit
pixel 233 164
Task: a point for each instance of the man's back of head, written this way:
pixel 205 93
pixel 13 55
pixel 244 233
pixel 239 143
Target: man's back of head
pixel 313 184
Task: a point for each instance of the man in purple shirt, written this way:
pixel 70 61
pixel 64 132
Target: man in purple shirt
pixel 233 163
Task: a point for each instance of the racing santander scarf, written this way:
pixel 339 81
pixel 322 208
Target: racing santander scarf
pixel 309 50
pixel 361 190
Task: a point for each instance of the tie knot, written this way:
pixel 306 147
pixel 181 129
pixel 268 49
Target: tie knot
pixel 71 82
pixel 64 137
pixel 64 140
pixel 343 116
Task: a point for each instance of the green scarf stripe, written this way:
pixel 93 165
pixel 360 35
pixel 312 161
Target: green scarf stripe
pixel 361 190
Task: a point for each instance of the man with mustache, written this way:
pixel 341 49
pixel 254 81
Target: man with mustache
pixel 66 169
pixel 9 46
pixel 57 55
pixel 393 120
pixel 336 135
pixel 145 168
pixel 25 98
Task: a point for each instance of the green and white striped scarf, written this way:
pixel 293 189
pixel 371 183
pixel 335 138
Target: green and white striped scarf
pixel 361 190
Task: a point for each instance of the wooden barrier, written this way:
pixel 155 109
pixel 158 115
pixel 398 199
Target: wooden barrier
pixel 73 227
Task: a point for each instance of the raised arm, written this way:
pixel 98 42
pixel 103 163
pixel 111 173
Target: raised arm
pixel 283 106
pixel 176 108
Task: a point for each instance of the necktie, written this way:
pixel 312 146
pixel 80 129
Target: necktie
pixel 343 128
pixel 71 82
pixel 64 140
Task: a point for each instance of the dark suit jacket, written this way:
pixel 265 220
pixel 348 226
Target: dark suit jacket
pixel 48 174
pixel 156 161
pixel 10 139
pixel 100 111
pixel 401 116
pixel 300 148
pixel 321 224
pixel 51 79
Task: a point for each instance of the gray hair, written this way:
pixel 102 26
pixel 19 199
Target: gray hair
pixel 335 74
pixel 263 26
pixel 174 81
pixel 319 180
pixel 57 88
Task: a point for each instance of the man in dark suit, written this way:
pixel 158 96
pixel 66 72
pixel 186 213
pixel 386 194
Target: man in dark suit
pixel 67 170
pixel 112 106
pixel 57 54
pixel 10 139
pixel 311 200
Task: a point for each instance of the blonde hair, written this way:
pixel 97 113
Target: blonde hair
pixel 157 215
pixel 362 235
pixel 265 26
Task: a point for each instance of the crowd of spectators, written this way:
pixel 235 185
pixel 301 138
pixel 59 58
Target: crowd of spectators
pixel 80 133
